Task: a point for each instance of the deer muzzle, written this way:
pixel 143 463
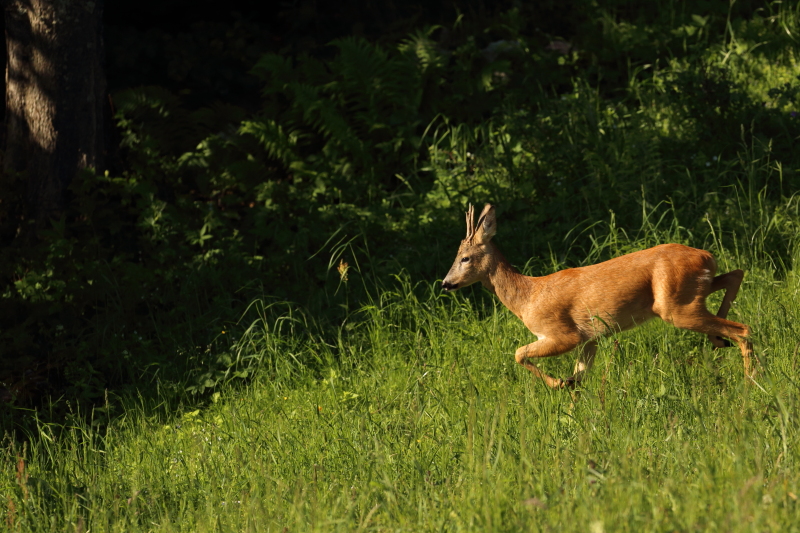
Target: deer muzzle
pixel 446 285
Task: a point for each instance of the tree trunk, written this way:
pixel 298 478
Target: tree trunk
pixel 55 96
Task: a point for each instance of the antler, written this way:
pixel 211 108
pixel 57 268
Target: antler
pixel 470 223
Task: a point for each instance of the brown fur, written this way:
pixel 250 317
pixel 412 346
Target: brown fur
pixel 572 307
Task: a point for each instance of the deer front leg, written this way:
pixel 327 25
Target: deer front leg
pixel 545 347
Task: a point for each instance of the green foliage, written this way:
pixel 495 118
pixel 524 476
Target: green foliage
pixel 352 123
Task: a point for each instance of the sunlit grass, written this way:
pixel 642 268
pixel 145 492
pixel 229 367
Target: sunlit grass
pixel 422 421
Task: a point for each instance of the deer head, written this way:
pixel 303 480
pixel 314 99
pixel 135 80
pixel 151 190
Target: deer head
pixel 475 256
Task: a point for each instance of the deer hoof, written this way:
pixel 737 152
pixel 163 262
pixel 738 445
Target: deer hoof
pixel 719 342
pixel 570 383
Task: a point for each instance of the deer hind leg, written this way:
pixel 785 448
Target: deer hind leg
pixel 546 347
pixel 584 363
pixel 731 283
pixel 702 321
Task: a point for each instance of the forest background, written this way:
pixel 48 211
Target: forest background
pixel 311 154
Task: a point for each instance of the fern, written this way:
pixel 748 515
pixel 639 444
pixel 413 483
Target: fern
pixel 422 46
pixel 324 117
pixel 278 144
pixel 375 82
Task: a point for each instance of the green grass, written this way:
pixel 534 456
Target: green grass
pixel 418 419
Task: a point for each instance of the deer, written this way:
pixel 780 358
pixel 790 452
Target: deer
pixel 572 308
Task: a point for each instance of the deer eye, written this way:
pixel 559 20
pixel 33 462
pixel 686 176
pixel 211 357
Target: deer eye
pixel 465 259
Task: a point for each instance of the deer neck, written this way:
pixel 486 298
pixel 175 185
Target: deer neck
pixel 511 287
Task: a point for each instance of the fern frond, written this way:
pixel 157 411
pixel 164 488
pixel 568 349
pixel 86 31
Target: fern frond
pixel 371 82
pixel 425 49
pixel 322 114
pixel 278 144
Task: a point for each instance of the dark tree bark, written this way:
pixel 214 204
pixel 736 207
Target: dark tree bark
pixel 55 97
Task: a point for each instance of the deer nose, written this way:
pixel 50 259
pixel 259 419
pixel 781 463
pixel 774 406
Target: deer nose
pixel 446 285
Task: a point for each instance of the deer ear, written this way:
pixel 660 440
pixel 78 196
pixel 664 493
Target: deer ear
pixel 487 224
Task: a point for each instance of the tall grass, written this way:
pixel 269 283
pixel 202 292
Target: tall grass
pixel 415 417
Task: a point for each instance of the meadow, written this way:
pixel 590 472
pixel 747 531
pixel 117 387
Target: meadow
pixel 289 360
pixel 422 421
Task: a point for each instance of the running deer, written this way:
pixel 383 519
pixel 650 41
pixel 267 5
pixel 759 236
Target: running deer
pixel 573 307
